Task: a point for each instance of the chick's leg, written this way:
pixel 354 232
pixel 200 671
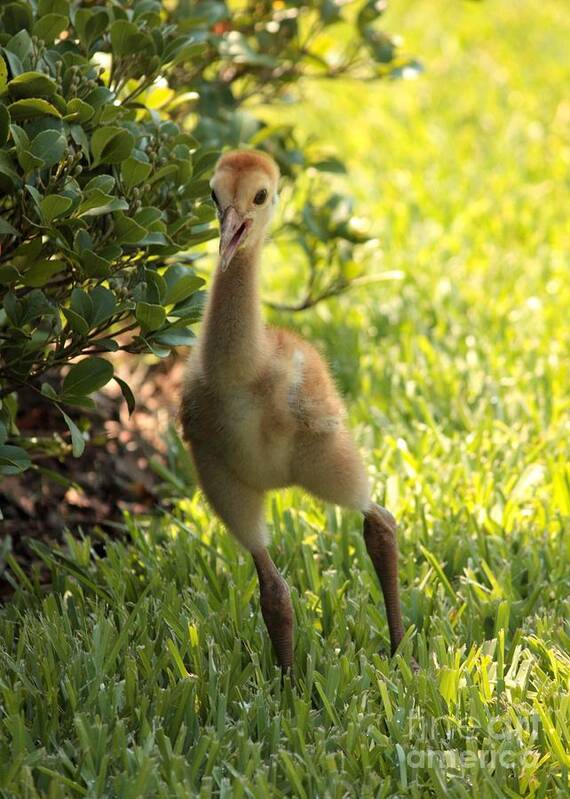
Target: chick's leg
pixel 239 506
pixel 241 509
pixel 276 608
pixel 380 538
pixel 331 468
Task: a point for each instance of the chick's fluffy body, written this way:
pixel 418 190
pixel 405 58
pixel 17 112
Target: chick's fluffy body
pixel 260 409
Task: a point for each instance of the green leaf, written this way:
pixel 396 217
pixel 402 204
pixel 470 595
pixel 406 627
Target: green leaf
pixel 82 304
pixel 87 376
pixel 76 322
pixel 3 75
pixel 41 272
pixel 175 337
pixel 36 196
pixel 147 9
pixel 54 205
pixel 108 344
pixel 99 97
pixel 17 16
pixel 32 84
pixel 50 26
pixel 111 252
pixel 32 108
pixel 95 265
pixel 122 33
pixel 13 460
pixel 177 46
pixel 195 190
pixel 106 183
pixel 204 161
pixel 191 50
pixel 203 213
pixel 53 7
pixel 128 231
pixel 330 165
pixel 160 352
pixel 191 310
pixel 20 45
pixel 181 282
pixel 369 13
pixel 80 138
pixel 167 171
pixel 150 218
pixel 16 67
pixel 97 202
pixel 48 391
pixel 13 309
pixel 134 172
pixel 78 400
pixel 90 25
pixel 82 240
pixel 94 199
pixel 4 124
pixel 77 440
pixel 238 50
pixel 6 229
pixel 156 287
pixel 115 204
pixel 381 46
pixel 27 251
pixel 150 316
pixel 78 110
pixel 104 304
pixel 203 235
pixel 8 171
pixel 50 146
pixel 111 145
pixel 127 39
pixel 8 274
pixel 330 11
pixel 38 306
pixel 28 161
pixel 20 137
pixel 127 393
pixel 157 240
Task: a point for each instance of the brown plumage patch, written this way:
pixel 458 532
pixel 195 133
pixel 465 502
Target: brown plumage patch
pixel 239 160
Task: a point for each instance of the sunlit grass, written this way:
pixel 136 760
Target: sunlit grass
pixel 147 672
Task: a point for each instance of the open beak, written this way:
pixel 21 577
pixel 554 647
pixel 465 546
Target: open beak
pixel 233 231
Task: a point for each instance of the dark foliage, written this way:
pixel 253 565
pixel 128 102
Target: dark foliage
pixel 112 115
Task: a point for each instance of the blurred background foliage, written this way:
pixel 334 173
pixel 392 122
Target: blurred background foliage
pixel 112 115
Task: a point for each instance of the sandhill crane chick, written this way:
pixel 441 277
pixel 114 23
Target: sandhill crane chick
pixel 260 409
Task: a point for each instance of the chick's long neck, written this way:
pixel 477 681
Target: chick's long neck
pixel 233 330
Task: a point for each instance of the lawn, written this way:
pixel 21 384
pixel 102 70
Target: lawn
pixel 146 671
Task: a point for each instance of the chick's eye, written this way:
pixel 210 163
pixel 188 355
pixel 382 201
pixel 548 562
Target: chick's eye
pixel 260 197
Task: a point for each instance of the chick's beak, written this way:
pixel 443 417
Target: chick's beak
pixel 233 231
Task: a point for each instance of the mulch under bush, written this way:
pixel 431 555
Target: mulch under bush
pixel 90 494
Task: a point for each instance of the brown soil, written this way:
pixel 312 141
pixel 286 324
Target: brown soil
pixel 112 476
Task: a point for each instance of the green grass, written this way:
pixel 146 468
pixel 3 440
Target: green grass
pixel 147 672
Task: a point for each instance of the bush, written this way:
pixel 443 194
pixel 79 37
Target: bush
pixel 111 118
